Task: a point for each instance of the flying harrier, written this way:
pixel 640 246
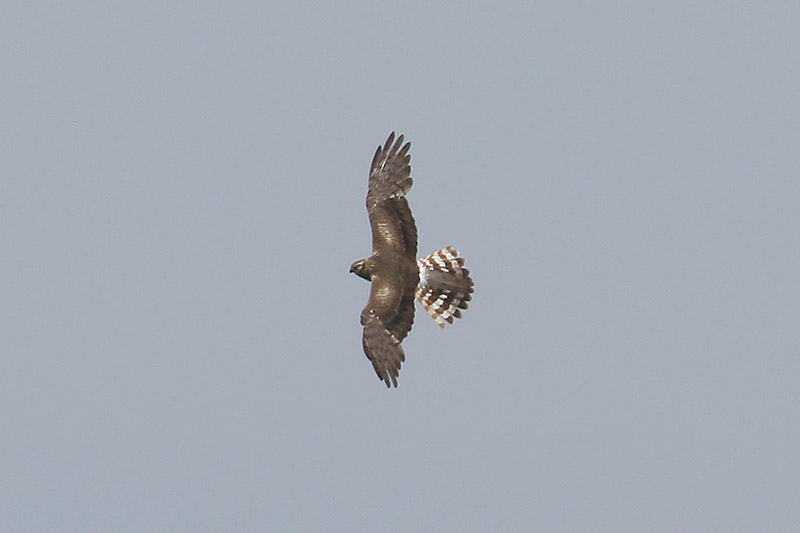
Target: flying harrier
pixel 439 281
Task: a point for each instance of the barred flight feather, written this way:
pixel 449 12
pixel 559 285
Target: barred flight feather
pixel 445 285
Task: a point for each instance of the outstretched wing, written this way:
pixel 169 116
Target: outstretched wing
pixel 390 171
pixel 383 350
pixel 393 227
pixel 384 327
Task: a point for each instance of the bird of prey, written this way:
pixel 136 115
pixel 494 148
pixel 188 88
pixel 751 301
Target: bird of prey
pixel 439 281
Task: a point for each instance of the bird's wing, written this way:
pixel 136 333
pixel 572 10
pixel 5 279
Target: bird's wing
pixel 393 227
pixel 381 338
pixel 382 349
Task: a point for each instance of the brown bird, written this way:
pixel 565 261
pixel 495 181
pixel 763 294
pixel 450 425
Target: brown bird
pixel 439 281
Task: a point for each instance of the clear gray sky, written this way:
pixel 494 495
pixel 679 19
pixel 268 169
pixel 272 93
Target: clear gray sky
pixel 182 193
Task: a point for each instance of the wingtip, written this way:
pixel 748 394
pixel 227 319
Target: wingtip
pixel 395 142
pixel 389 141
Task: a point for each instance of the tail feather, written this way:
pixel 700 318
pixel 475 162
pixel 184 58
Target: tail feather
pixel 445 286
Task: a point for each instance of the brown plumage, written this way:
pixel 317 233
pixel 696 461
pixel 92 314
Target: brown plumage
pixel 393 269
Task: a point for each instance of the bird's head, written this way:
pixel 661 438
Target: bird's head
pixel 359 268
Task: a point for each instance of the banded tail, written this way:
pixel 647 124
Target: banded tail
pixel 444 285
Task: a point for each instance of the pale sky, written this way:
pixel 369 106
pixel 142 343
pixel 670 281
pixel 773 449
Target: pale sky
pixel 183 192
